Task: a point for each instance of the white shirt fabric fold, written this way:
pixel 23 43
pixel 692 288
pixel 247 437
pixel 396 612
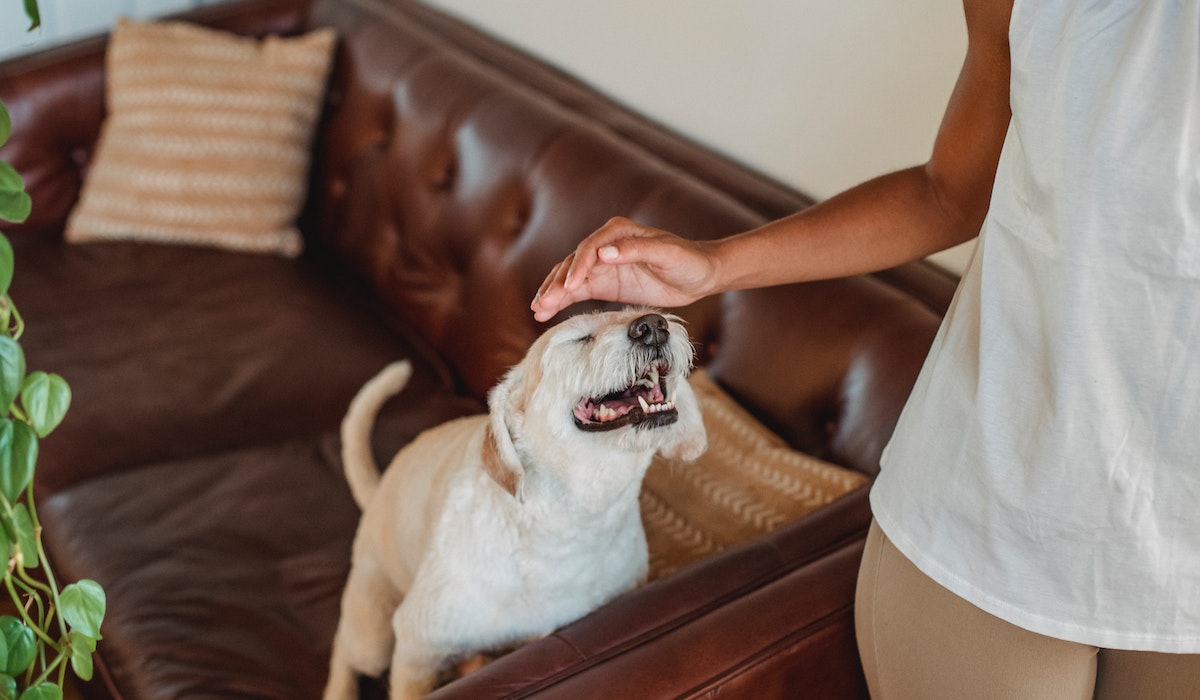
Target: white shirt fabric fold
pixel 1047 465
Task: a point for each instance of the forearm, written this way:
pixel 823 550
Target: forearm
pixel 881 223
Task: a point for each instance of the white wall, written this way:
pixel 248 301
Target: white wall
pixel 821 94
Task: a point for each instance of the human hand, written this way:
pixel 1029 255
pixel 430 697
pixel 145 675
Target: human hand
pixel 626 262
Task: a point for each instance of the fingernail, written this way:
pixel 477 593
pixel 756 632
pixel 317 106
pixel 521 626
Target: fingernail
pixel 608 252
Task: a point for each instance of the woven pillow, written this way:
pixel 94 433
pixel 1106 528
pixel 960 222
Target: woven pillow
pixel 207 138
pixel 748 483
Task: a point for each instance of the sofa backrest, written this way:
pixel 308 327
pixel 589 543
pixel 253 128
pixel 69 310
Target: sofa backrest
pixel 455 172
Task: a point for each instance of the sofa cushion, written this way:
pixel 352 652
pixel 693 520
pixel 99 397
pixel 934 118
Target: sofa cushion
pixel 212 591
pixel 748 483
pixel 207 137
pixel 174 352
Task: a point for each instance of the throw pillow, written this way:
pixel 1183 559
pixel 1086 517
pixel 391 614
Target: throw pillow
pixel 207 138
pixel 748 483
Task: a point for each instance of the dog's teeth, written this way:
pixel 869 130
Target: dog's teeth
pixel 654 375
pixel 645 406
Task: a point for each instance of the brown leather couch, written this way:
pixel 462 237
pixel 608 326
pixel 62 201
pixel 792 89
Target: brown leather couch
pixel 197 478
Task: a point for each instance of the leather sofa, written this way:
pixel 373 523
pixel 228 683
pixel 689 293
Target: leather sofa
pixel 197 476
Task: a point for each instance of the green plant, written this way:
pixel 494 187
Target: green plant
pixel 31 11
pixel 52 628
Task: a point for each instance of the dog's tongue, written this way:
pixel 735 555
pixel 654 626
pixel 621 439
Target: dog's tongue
pixel 605 410
pixel 619 404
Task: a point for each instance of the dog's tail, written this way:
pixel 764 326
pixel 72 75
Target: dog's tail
pixel 362 473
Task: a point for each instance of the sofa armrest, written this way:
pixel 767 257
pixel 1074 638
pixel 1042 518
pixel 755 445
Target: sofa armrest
pixel 56 99
pixel 766 613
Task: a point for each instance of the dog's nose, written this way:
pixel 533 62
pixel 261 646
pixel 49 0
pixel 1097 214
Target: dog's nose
pixel 650 329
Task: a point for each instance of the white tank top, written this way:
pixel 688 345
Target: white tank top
pixel 1047 465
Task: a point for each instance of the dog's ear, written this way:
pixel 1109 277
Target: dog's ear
pixel 691 437
pixel 505 410
pixel 501 463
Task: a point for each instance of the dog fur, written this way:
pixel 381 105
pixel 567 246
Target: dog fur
pixel 489 531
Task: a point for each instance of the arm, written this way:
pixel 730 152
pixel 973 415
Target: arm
pixel 881 223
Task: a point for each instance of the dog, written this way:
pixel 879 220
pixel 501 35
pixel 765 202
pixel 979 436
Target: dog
pixel 493 530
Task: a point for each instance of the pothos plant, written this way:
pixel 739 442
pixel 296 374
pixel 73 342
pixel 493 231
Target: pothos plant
pixel 52 628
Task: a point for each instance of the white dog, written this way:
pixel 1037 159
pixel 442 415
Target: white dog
pixel 493 530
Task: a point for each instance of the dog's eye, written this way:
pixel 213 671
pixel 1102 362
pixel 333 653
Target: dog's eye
pixel 586 339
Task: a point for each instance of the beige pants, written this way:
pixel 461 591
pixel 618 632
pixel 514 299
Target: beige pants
pixel 919 641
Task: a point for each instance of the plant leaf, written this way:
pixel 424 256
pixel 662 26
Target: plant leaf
pixel 15 204
pixel 7 477
pixel 12 372
pixel 21 644
pixel 18 457
pixel 46 398
pixel 5 124
pixel 7 265
pixel 83 604
pixel 42 691
pixel 26 539
pixel 35 17
pixel 82 647
pixel 8 687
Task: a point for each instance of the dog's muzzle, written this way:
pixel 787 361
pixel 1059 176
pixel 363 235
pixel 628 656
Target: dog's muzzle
pixel 644 403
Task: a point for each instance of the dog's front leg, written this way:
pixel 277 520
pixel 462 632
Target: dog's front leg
pixel 416 659
pixel 343 681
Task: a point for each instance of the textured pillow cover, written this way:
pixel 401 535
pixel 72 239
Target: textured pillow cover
pixel 748 483
pixel 207 137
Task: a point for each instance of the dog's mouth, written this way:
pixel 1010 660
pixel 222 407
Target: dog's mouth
pixel 644 403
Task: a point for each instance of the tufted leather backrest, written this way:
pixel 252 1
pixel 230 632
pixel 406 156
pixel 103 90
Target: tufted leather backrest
pixel 452 172
pixel 455 174
pixel 457 188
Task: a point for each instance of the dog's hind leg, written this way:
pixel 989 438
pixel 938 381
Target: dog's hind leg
pixel 364 641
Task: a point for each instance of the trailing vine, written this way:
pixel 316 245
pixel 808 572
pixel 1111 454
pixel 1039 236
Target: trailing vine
pixel 52 628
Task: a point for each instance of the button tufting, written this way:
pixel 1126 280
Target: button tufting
pixel 81 156
pixel 519 216
pixel 445 174
pixel 336 188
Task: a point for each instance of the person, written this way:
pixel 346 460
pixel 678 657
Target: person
pixel 1036 524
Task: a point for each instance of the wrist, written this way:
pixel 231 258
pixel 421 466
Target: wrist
pixel 727 258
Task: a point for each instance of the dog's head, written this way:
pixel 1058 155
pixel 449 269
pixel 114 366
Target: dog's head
pixel 595 386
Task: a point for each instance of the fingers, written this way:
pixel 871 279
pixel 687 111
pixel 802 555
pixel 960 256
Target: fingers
pixel 555 298
pixel 550 298
pixel 562 287
pixel 605 266
pixel 556 277
pixel 599 247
